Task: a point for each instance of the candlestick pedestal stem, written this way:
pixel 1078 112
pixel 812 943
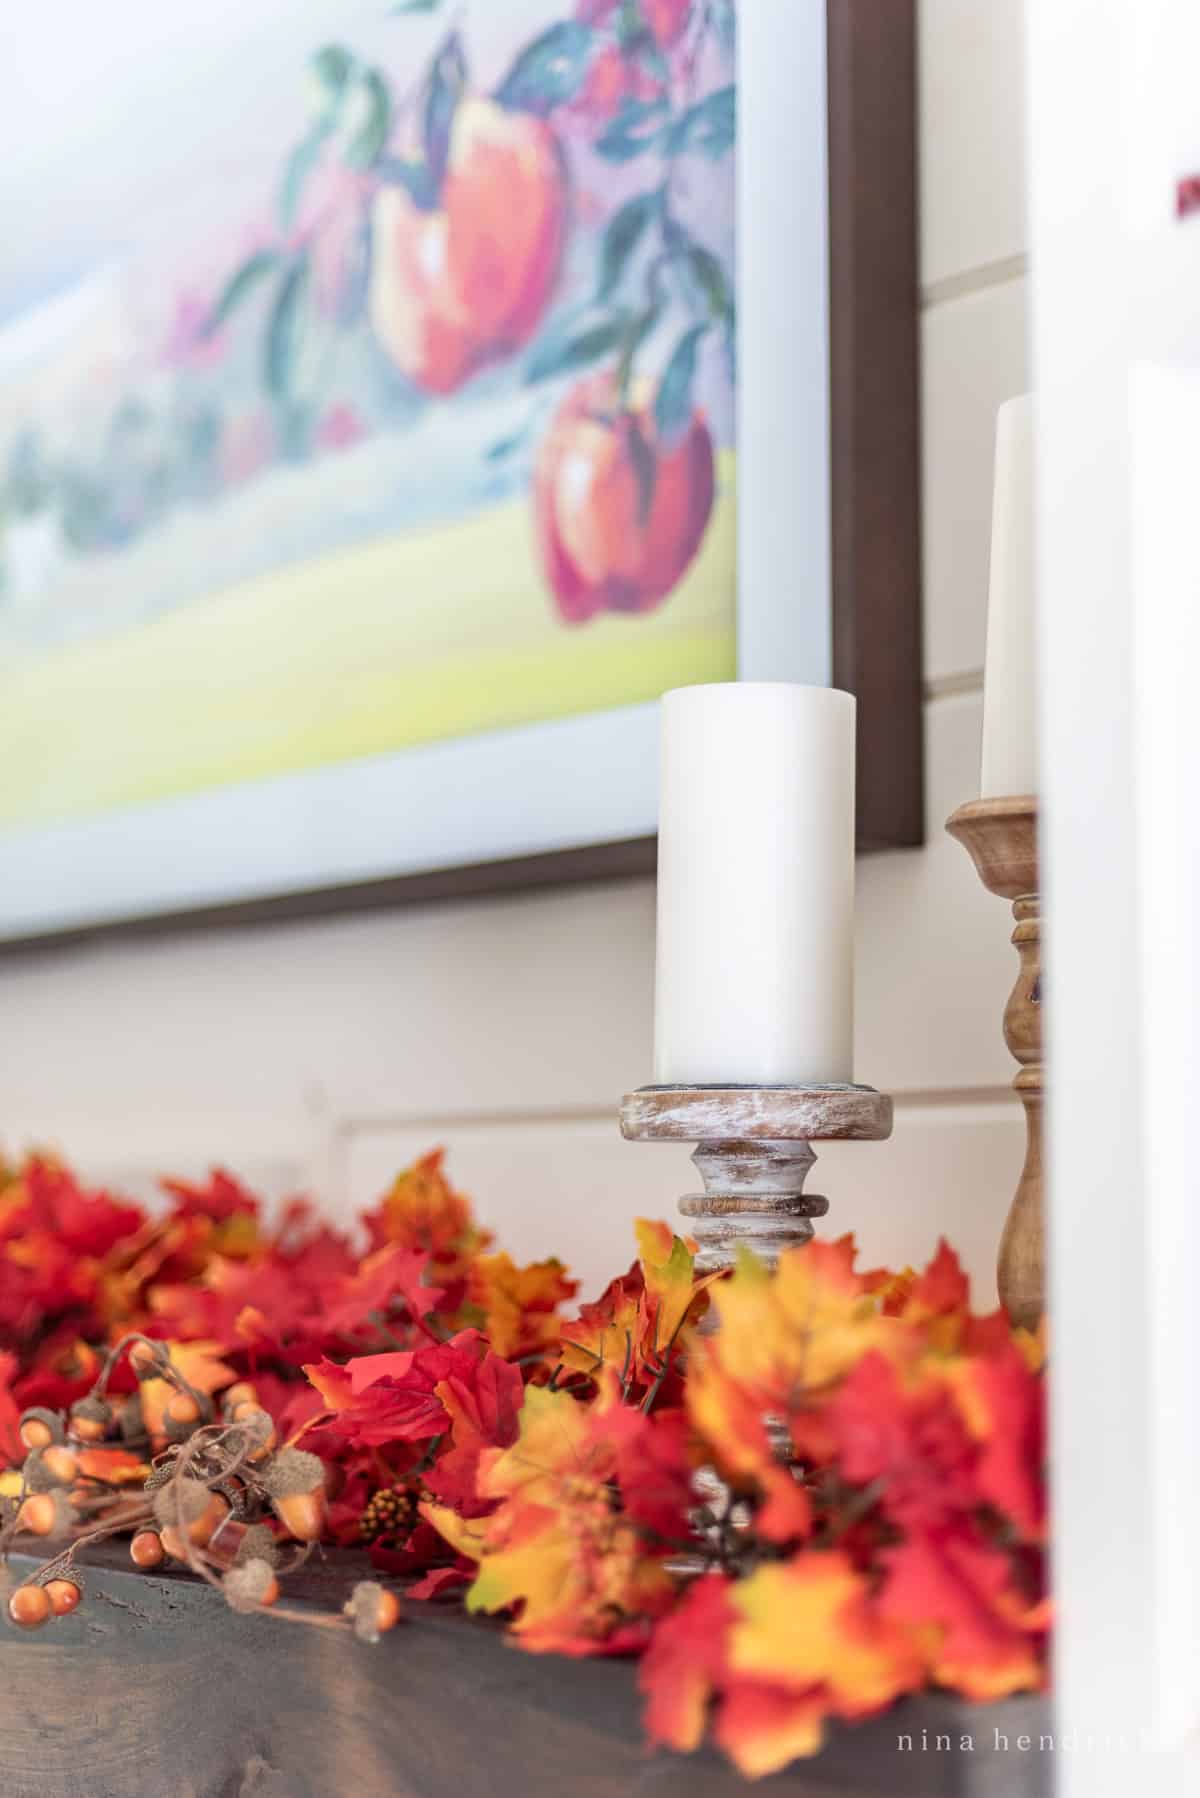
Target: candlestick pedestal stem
pixel 1000 836
pixel 753 1155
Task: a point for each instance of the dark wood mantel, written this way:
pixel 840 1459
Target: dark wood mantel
pixel 154 1689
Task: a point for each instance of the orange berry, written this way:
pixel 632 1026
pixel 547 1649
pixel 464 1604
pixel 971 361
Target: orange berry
pixel 64 1596
pixel 36 1433
pixel 182 1409
pixel 29 1606
pixel 146 1549
pixel 61 1463
pixel 387 1613
pixel 302 1514
pixel 38 1515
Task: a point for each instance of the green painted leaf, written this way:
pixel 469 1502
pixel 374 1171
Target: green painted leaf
pixel 332 67
pixel 673 402
pixel 627 136
pixel 239 286
pixel 558 355
pixel 549 71
pixel 369 140
pixel 285 329
pixel 447 84
pixel 298 167
pixel 707 271
pixel 416 6
pixel 622 235
pixel 403 171
pixel 709 127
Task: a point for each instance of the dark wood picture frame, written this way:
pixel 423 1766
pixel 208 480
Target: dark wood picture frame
pixel 875 480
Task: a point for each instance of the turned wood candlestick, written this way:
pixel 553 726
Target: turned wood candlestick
pixel 1000 835
pixel 754 1151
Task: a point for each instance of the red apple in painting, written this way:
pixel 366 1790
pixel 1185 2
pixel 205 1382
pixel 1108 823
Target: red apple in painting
pixel 460 286
pixel 619 514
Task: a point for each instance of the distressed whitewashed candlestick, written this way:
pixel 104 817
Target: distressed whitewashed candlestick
pixel 1000 835
pixel 754 1151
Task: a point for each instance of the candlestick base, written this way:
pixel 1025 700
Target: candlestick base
pixel 1000 836
pixel 754 1152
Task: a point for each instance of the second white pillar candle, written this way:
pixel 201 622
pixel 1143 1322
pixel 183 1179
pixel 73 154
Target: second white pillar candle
pixel 755 977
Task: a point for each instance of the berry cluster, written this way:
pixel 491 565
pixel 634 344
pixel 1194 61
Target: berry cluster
pixel 213 1490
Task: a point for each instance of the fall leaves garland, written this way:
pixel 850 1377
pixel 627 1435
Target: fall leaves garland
pixel 833 1498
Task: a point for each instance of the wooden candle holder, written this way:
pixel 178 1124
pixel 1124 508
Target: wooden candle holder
pixel 753 1155
pixel 1000 835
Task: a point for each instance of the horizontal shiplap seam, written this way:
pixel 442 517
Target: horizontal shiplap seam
pixel 974 280
pixel 349 1129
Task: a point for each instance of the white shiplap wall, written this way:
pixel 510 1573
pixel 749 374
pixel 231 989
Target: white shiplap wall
pixel 325 1054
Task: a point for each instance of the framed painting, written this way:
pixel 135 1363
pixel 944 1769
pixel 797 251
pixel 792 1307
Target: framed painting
pixel 398 396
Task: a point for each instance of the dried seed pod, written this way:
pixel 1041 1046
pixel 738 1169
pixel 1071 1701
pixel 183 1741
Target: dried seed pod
pixel 29 1607
pixel 372 1609
pixel 91 1419
pixel 39 1427
pixel 250 1585
pixel 146 1549
pixel 200 1510
pixel 65 1596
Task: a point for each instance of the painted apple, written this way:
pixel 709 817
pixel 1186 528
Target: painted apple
pixel 619 514
pixel 462 285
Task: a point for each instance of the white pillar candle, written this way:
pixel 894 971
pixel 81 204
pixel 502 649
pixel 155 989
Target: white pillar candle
pixel 1010 749
pixel 756 886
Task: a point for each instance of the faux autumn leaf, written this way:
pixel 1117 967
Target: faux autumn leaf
pixel 982 1637
pixel 115 1466
pixel 556 1551
pixel 519 1305
pixel 392 1274
pixel 423 1211
pixel 671 1292
pixel 686 1663
pixel 1003 1404
pixel 605 1332
pixel 910 1437
pixel 12 1451
pixel 812 1622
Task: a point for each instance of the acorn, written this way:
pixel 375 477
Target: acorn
pixel 201 1510
pixel 39 1427
pixel 45 1514
pixel 259 1428
pixel 182 1413
pixel 295 1483
pixel 146 1549
pixel 30 1607
pixel 372 1609
pixel 65 1596
pixel 242 1392
pixel 249 1585
pixel 148 1358
pixel 91 1419
pixel 130 1421
pixel 257 1544
pixel 61 1463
